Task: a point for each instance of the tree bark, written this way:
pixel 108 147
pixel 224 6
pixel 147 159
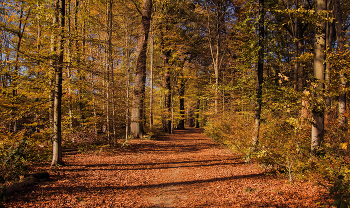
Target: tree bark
pixel 110 74
pixel 57 131
pixel 197 113
pixel 151 81
pixel 127 73
pixel 215 49
pixel 181 125
pixel 297 52
pixel 15 78
pixel 256 125
pixel 137 114
pixel 319 69
pixel 108 68
pixel 340 49
pixel 167 84
pixel 329 38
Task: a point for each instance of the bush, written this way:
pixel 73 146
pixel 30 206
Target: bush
pixel 13 161
pixel 340 190
pixel 18 150
pixel 231 131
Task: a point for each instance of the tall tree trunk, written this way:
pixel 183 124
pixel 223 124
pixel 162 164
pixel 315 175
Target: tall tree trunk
pixel 110 64
pixel 57 131
pixel 340 49
pixel 127 73
pixel 15 78
pixel 137 114
pixel 182 104
pixel 93 101
pixel 151 81
pixel 197 113
pixel 69 72
pixel 107 97
pixel 256 125
pixel 78 60
pixel 297 52
pixel 215 52
pixel 329 39
pixel 109 67
pixel 319 69
pixel 167 99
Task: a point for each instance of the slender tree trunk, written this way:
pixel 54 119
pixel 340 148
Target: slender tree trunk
pixel 137 114
pixel 197 113
pixel 340 50
pixel 78 60
pixel 329 34
pixel 15 79
pixel 181 125
pixel 297 53
pixel 110 64
pixel 57 131
pixel 151 81
pixel 319 69
pixel 69 72
pixel 94 102
pixel 109 67
pixel 107 98
pixel 215 55
pixel 256 125
pixel 167 84
pixel 127 73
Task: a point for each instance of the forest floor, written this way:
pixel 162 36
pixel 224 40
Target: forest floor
pixel 185 169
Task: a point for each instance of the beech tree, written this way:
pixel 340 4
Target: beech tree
pixel 260 73
pixel 58 66
pixel 319 69
pixel 137 113
pixel 340 50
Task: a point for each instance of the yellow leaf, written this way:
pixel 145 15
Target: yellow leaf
pixel 344 146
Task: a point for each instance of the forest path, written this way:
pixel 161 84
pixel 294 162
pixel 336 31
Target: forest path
pixel 185 169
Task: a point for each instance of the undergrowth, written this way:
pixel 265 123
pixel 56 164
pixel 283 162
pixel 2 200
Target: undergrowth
pixel 284 146
pixel 19 150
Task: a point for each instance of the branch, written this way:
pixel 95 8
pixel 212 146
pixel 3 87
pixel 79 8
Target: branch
pixel 136 7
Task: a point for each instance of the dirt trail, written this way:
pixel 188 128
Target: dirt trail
pixel 185 169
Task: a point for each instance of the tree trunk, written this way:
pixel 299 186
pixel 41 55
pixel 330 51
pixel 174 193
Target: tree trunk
pixel 167 84
pixel 197 113
pixel 127 73
pixel 15 78
pixel 110 67
pixel 297 54
pixel 256 125
pixel 340 49
pixel 137 113
pixel 57 131
pixel 181 125
pixel 319 69
pixel 69 72
pixel 151 82
pixel 329 34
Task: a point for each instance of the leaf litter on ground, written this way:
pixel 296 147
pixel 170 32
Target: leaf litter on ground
pixel 185 169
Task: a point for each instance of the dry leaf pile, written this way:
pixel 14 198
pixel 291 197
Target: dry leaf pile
pixel 185 169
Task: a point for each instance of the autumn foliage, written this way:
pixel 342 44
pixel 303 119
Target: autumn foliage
pixel 266 79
